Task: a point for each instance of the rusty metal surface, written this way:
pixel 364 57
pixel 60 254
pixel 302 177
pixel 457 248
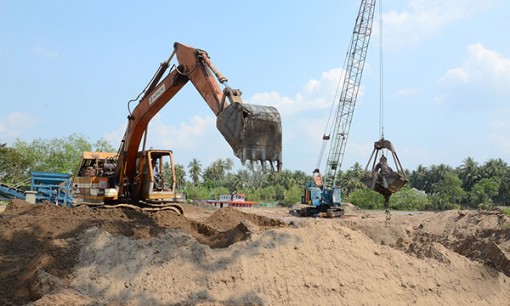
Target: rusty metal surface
pixel 253 131
pixel 384 183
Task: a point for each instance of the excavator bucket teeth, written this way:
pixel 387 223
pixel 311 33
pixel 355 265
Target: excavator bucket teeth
pixel 253 131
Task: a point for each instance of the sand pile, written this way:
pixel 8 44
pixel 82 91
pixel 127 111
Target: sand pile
pixel 82 256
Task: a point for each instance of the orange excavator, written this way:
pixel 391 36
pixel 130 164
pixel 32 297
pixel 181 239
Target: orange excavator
pixel 146 178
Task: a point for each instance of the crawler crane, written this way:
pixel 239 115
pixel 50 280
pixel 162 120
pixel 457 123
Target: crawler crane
pixel 323 192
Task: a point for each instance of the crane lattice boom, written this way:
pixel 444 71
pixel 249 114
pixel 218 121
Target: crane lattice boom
pixel 347 97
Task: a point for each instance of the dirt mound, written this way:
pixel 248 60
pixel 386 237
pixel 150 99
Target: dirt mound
pixel 480 236
pixel 81 256
pixel 36 237
pixel 223 228
pixel 229 217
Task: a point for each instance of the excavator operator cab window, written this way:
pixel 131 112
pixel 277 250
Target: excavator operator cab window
pixel 156 171
pixel 161 170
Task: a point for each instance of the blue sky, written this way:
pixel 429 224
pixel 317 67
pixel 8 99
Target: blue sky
pixel 71 66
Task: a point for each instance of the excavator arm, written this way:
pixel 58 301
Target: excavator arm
pixel 253 131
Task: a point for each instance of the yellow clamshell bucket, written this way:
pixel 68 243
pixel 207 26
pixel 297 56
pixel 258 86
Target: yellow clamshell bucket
pixel 382 178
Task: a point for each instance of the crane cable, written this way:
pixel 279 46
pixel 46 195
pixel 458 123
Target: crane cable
pixel 336 99
pixel 381 74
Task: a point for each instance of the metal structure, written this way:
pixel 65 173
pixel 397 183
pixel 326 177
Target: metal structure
pixel 347 97
pixel 385 181
pixel 45 186
pixel 323 193
pixel 53 187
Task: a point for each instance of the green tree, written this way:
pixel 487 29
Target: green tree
pixel 240 181
pixel 485 191
pixel 197 193
pixel 54 155
pixel 419 179
pixel 103 145
pixel 215 174
pixel 14 167
pixel 194 170
pixel 504 190
pixel 350 180
pixel 180 176
pixel 409 199
pixel 293 195
pixel 469 173
pixel 449 190
pixel 365 198
pixel 300 178
pixel 494 168
pixel 258 177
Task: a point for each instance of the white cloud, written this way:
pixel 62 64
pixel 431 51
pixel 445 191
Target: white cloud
pixel 186 135
pixel 115 137
pixel 45 53
pixel 423 19
pixel 406 92
pixel 15 124
pixel 272 98
pixel 311 86
pixel 304 117
pixel 483 66
pixel 440 99
pixel 458 74
pixel 315 94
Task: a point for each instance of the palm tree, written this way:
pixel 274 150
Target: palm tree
pixel 300 177
pixel 352 178
pixel 240 181
pixel 469 173
pixel 418 178
pixel 227 164
pixel 180 175
pixel 494 168
pixel 194 170
pixel 216 173
pixel 436 174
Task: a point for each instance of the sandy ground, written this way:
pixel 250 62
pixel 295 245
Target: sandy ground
pixel 81 256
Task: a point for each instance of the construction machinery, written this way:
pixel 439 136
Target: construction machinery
pixel 146 178
pixel 323 193
pixel 381 177
pixel 51 187
pixel 91 180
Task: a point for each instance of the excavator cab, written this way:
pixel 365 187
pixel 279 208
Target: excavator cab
pixel 382 178
pixel 253 131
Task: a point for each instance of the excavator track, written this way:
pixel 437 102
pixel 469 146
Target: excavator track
pixel 152 207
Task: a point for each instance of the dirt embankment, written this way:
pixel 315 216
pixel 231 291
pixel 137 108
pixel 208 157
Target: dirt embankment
pixel 57 256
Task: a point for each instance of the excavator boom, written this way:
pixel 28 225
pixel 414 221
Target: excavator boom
pixel 253 131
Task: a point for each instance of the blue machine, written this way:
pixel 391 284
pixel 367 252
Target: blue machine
pixel 317 196
pixel 323 201
pixel 53 187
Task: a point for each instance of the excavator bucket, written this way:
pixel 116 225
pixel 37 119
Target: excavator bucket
pixel 253 131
